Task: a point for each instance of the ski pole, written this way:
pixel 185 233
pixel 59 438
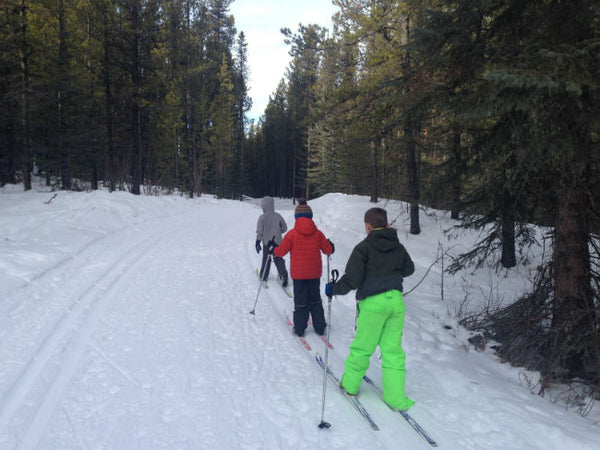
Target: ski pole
pixel 334 277
pixel 267 263
pixel 260 284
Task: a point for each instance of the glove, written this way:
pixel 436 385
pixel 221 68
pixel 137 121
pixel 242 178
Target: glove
pixel 329 289
pixel 257 244
pixel 271 246
pixel 332 246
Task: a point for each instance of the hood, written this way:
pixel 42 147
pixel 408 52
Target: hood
pixel 384 240
pixel 305 225
pixel 267 204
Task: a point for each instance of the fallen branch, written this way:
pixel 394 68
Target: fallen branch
pixel 426 273
pixel 51 198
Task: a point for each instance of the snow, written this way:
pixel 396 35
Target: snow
pixel 124 324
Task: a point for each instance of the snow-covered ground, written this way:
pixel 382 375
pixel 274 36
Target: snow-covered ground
pixel 124 324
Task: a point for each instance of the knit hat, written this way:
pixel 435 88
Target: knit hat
pixel 303 210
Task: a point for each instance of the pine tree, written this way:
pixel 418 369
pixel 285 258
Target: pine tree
pixel 451 42
pixel 275 165
pixel 243 103
pixel 223 132
pixel 323 162
pixel 536 145
pixel 10 150
pixel 302 76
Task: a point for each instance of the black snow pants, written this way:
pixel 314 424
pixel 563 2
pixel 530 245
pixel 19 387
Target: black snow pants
pixel 307 301
pixel 266 265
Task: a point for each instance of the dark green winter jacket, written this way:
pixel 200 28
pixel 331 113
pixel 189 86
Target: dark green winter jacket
pixel 377 264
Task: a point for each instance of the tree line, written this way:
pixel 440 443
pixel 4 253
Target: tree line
pixel 486 108
pixel 123 92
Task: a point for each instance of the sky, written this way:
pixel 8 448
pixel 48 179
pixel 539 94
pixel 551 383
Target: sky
pixel 268 57
pixel 124 324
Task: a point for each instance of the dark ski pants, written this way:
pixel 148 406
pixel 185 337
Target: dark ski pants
pixel 307 301
pixel 266 265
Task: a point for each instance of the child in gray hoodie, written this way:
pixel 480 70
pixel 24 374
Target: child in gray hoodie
pixel 270 227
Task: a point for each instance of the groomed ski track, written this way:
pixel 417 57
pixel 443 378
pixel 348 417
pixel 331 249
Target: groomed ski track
pixel 98 322
pixel 124 324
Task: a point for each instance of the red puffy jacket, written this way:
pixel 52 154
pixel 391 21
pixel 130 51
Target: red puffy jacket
pixel 305 242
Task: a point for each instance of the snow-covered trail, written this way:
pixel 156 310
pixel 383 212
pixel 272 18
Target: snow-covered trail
pixel 127 337
pixel 141 338
pixel 124 324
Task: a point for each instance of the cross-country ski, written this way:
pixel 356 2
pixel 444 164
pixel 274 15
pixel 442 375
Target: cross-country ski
pixel 413 423
pixel 352 399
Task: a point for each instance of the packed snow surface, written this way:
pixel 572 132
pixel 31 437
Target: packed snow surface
pixel 124 324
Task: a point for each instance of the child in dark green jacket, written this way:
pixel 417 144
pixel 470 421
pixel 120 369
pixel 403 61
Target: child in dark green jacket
pixel 376 269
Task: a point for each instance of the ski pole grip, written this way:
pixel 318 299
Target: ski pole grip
pixel 334 275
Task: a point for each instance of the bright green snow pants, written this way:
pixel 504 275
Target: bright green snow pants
pixel 380 322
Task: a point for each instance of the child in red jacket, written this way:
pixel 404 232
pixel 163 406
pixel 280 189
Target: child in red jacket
pixel 306 242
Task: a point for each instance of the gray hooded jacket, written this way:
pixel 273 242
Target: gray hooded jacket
pixel 270 223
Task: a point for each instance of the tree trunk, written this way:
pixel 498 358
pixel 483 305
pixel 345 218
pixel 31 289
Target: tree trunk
pixel 189 142
pixel 573 309
pixel 94 175
pixel 456 175
pixel 413 178
pixel 294 164
pixel 509 257
pixel 109 159
pixel 136 158
pixel 374 173
pixel 63 84
pixel 188 111
pixel 25 87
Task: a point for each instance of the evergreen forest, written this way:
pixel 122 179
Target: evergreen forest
pixel 489 109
